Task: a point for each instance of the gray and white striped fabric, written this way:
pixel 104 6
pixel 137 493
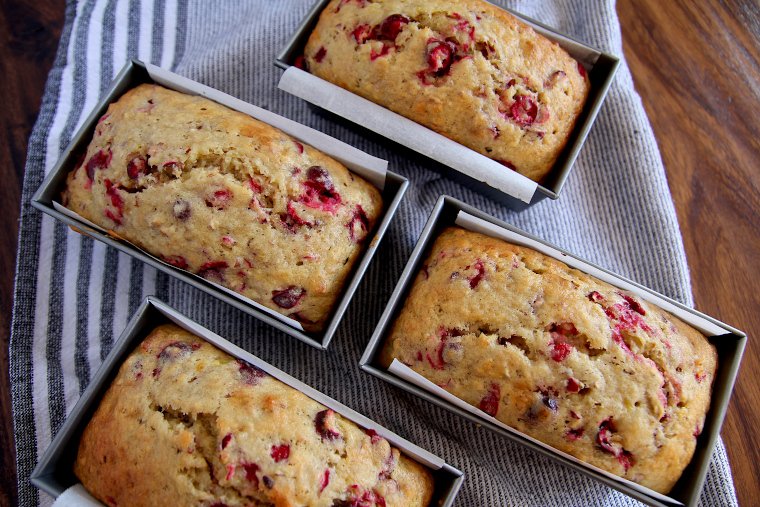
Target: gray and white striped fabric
pixel 74 296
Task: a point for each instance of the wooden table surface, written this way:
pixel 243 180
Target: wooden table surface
pixel 696 66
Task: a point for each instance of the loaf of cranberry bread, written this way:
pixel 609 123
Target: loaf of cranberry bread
pixel 466 69
pixel 184 423
pixel 558 355
pixel 233 200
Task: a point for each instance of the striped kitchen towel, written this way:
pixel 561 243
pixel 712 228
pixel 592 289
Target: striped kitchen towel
pixel 73 296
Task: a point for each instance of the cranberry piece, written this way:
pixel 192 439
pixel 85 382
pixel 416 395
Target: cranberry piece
pixel 392 26
pixel 299 147
pixel 479 275
pixel 289 297
pixel 560 350
pixel 361 33
pixel 388 466
pixel 359 224
pixel 280 452
pixel 212 271
pixel 359 497
pixel 181 210
pixel 490 402
pixel 625 458
pixel 466 27
pixel 250 374
pixel 176 260
pixel 325 480
pixel 595 297
pixel 320 55
pixel 254 186
pixel 617 337
pixel 100 160
pixel 319 190
pixel 444 334
pixel 543 117
pixel 507 164
pixel 251 469
pixel 606 428
pixel 374 55
pixel 324 423
pixel 633 304
pixel 112 192
pixel 226 440
pixel 582 70
pixel 573 386
pixel 440 56
pixel 300 62
pixel 173 165
pixel 626 316
pixel 137 167
pixel 574 434
pixel 219 199
pixel 292 220
pixel 524 110
pixel 319 178
pixel 373 436
pixel 700 376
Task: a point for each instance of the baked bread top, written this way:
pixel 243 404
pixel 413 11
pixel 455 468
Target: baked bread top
pixel 184 423
pixel 559 355
pixel 466 69
pixel 229 198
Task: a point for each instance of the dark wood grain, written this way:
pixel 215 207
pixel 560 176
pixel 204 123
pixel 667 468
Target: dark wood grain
pixel 29 33
pixel 695 65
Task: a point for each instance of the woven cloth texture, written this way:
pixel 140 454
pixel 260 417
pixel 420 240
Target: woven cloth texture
pixel 73 295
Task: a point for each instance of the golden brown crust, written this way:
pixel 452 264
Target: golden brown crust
pixel 184 423
pixel 222 195
pixel 559 355
pixel 466 69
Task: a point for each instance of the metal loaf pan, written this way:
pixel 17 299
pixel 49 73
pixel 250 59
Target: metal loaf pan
pixel 601 68
pixel 728 341
pixel 47 197
pixel 54 472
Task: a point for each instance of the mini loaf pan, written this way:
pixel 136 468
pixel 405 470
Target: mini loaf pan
pixel 54 472
pixel 473 169
pixel 728 341
pixel 391 185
